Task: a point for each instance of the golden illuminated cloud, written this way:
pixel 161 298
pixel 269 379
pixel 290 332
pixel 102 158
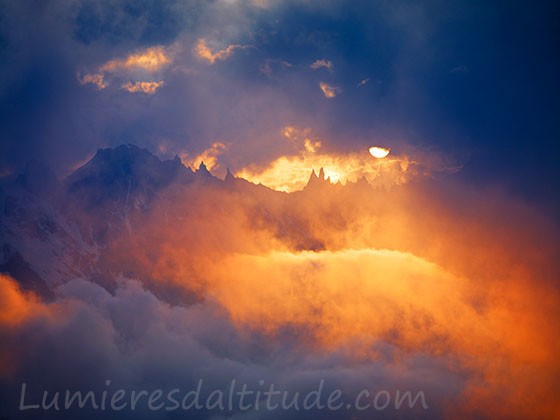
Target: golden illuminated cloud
pixel 151 60
pixel 322 63
pixel 302 137
pixel 291 172
pixel 96 79
pixel 291 133
pixel 398 274
pixel 202 51
pixel 401 285
pixel 328 90
pixel 367 296
pixel 16 304
pixel 148 88
pixel 208 156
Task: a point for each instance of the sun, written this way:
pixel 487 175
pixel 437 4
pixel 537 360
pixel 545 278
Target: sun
pixel 379 152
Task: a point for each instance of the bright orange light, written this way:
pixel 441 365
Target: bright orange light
pixel 379 152
pixel 16 305
pixel 291 173
pixel 208 156
pixel 152 60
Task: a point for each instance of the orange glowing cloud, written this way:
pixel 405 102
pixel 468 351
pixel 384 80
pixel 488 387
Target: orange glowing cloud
pixel 329 91
pixel 149 88
pixel 298 136
pixel 342 294
pixel 151 60
pixel 208 156
pixel 202 51
pixel 16 305
pixel 465 278
pixel 291 172
pixel 444 274
pixel 363 297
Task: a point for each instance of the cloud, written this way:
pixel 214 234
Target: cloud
pixel 84 35
pixel 322 63
pixel 148 88
pixel 17 305
pixel 151 60
pixel 389 298
pixel 96 79
pixel 328 90
pixel 209 157
pixel 363 82
pixel 302 137
pixel 291 171
pixel 398 299
pixel 136 341
pixel 202 51
pixel 487 274
pixel 456 319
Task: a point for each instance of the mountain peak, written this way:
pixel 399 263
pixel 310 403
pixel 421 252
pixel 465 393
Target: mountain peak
pixel 229 176
pixel 125 169
pixel 123 156
pixel 203 170
pixel 317 180
pixel 313 176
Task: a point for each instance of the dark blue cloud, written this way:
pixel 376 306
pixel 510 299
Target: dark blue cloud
pixel 144 21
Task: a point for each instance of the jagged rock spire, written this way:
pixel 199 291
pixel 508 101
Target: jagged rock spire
pixel 313 177
pixel 229 176
pixel 203 170
pixel 321 180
